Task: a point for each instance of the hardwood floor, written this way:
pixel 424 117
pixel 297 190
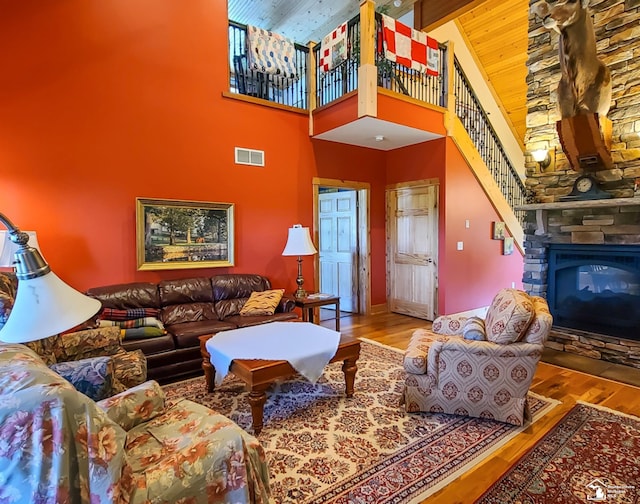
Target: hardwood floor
pixel 565 385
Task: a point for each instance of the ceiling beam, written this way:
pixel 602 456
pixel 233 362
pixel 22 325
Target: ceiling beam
pixel 428 14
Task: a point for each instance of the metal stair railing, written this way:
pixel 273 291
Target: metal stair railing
pixel 477 124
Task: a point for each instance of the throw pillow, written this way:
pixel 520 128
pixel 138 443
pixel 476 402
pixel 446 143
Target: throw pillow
pixel 473 329
pixel 509 316
pixel 262 303
pixel 539 328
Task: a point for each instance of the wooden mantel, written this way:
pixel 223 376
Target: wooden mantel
pixel 599 203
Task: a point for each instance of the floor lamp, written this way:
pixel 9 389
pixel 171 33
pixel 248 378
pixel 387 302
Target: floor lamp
pixel 44 304
pixel 8 248
pixel 299 244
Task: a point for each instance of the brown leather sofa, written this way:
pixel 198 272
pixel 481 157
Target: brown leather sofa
pixel 189 308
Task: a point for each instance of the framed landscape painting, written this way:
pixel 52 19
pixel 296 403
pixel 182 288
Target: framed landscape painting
pixel 175 234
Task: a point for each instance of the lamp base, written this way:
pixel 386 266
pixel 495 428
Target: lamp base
pixel 300 292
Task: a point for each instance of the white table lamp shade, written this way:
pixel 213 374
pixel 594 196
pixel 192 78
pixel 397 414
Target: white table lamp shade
pixel 299 242
pixel 8 248
pixel 45 306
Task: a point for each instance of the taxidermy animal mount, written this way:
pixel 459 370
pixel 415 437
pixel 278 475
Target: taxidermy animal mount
pixel 584 90
pixel 585 82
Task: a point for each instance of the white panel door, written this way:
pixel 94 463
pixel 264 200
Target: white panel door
pixel 412 220
pixel 338 246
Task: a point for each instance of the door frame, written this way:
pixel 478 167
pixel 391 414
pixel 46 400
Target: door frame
pixel 363 276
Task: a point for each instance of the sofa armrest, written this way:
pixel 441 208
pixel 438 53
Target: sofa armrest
pixel 93 377
pixel 449 325
pixel 90 343
pixel 415 356
pixel 286 305
pixel 136 405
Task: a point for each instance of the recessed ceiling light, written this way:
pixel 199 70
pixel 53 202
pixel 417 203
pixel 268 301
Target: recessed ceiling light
pixel 379 138
pixel 397 3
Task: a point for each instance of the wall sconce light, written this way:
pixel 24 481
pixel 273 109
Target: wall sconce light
pixel 543 157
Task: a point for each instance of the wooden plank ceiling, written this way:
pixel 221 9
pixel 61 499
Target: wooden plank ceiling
pixel 497 34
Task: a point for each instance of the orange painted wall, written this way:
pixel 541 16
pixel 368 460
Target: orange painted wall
pixel 410 114
pixel 346 162
pixel 471 277
pixel 467 279
pixel 104 102
pixel 337 114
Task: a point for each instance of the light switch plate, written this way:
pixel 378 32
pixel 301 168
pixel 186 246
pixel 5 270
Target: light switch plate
pixel 460 246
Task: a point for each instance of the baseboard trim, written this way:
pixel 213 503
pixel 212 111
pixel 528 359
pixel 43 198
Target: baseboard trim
pixel 478 312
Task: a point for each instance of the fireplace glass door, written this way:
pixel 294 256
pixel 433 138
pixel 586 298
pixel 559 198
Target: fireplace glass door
pixel 596 289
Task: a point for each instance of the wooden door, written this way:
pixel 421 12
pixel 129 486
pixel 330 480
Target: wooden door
pixel 412 245
pixel 338 246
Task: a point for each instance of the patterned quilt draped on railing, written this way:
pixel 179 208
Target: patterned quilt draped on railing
pixel 279 76
pixel 484 137
pixel 341 79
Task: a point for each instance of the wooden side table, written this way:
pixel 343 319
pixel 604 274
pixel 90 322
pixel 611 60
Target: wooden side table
pixel 308 304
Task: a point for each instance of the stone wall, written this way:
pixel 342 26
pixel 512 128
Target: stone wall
pixel 616 23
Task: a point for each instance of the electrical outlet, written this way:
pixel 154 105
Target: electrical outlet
pixel 460 246
pixel 513 285
pixel 466 224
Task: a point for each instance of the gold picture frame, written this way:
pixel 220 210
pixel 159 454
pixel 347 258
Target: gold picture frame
pixel 176 234
pixel 498 230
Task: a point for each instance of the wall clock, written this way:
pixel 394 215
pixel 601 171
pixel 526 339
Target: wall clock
pixel 585 187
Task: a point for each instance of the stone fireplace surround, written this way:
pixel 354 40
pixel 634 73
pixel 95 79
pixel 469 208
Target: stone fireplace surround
pixel 605 222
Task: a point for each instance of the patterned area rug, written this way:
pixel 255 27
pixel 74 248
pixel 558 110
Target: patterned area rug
pixel 325 448
pixel 591 455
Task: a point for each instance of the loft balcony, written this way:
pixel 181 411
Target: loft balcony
pixel 371 101
pixel 363 97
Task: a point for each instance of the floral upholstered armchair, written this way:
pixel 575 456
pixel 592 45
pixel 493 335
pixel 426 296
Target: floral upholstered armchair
pixel 475 367
pixel 57 445
pixel 93 360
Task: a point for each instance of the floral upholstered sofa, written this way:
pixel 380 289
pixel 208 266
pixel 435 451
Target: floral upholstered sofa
pixel 57 445
pixel 475 367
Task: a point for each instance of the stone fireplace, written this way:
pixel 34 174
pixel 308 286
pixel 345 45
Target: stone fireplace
pixel 584 257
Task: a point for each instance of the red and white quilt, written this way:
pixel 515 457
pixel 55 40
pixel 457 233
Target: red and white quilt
pixel 333 49
pixel 409 47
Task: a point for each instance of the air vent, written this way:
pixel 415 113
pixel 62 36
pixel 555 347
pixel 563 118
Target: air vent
pixel 249 157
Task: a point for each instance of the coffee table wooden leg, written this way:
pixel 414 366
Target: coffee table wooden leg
pixel 209 370
pixel 209 375
pixel 349 368
pixel 257 398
